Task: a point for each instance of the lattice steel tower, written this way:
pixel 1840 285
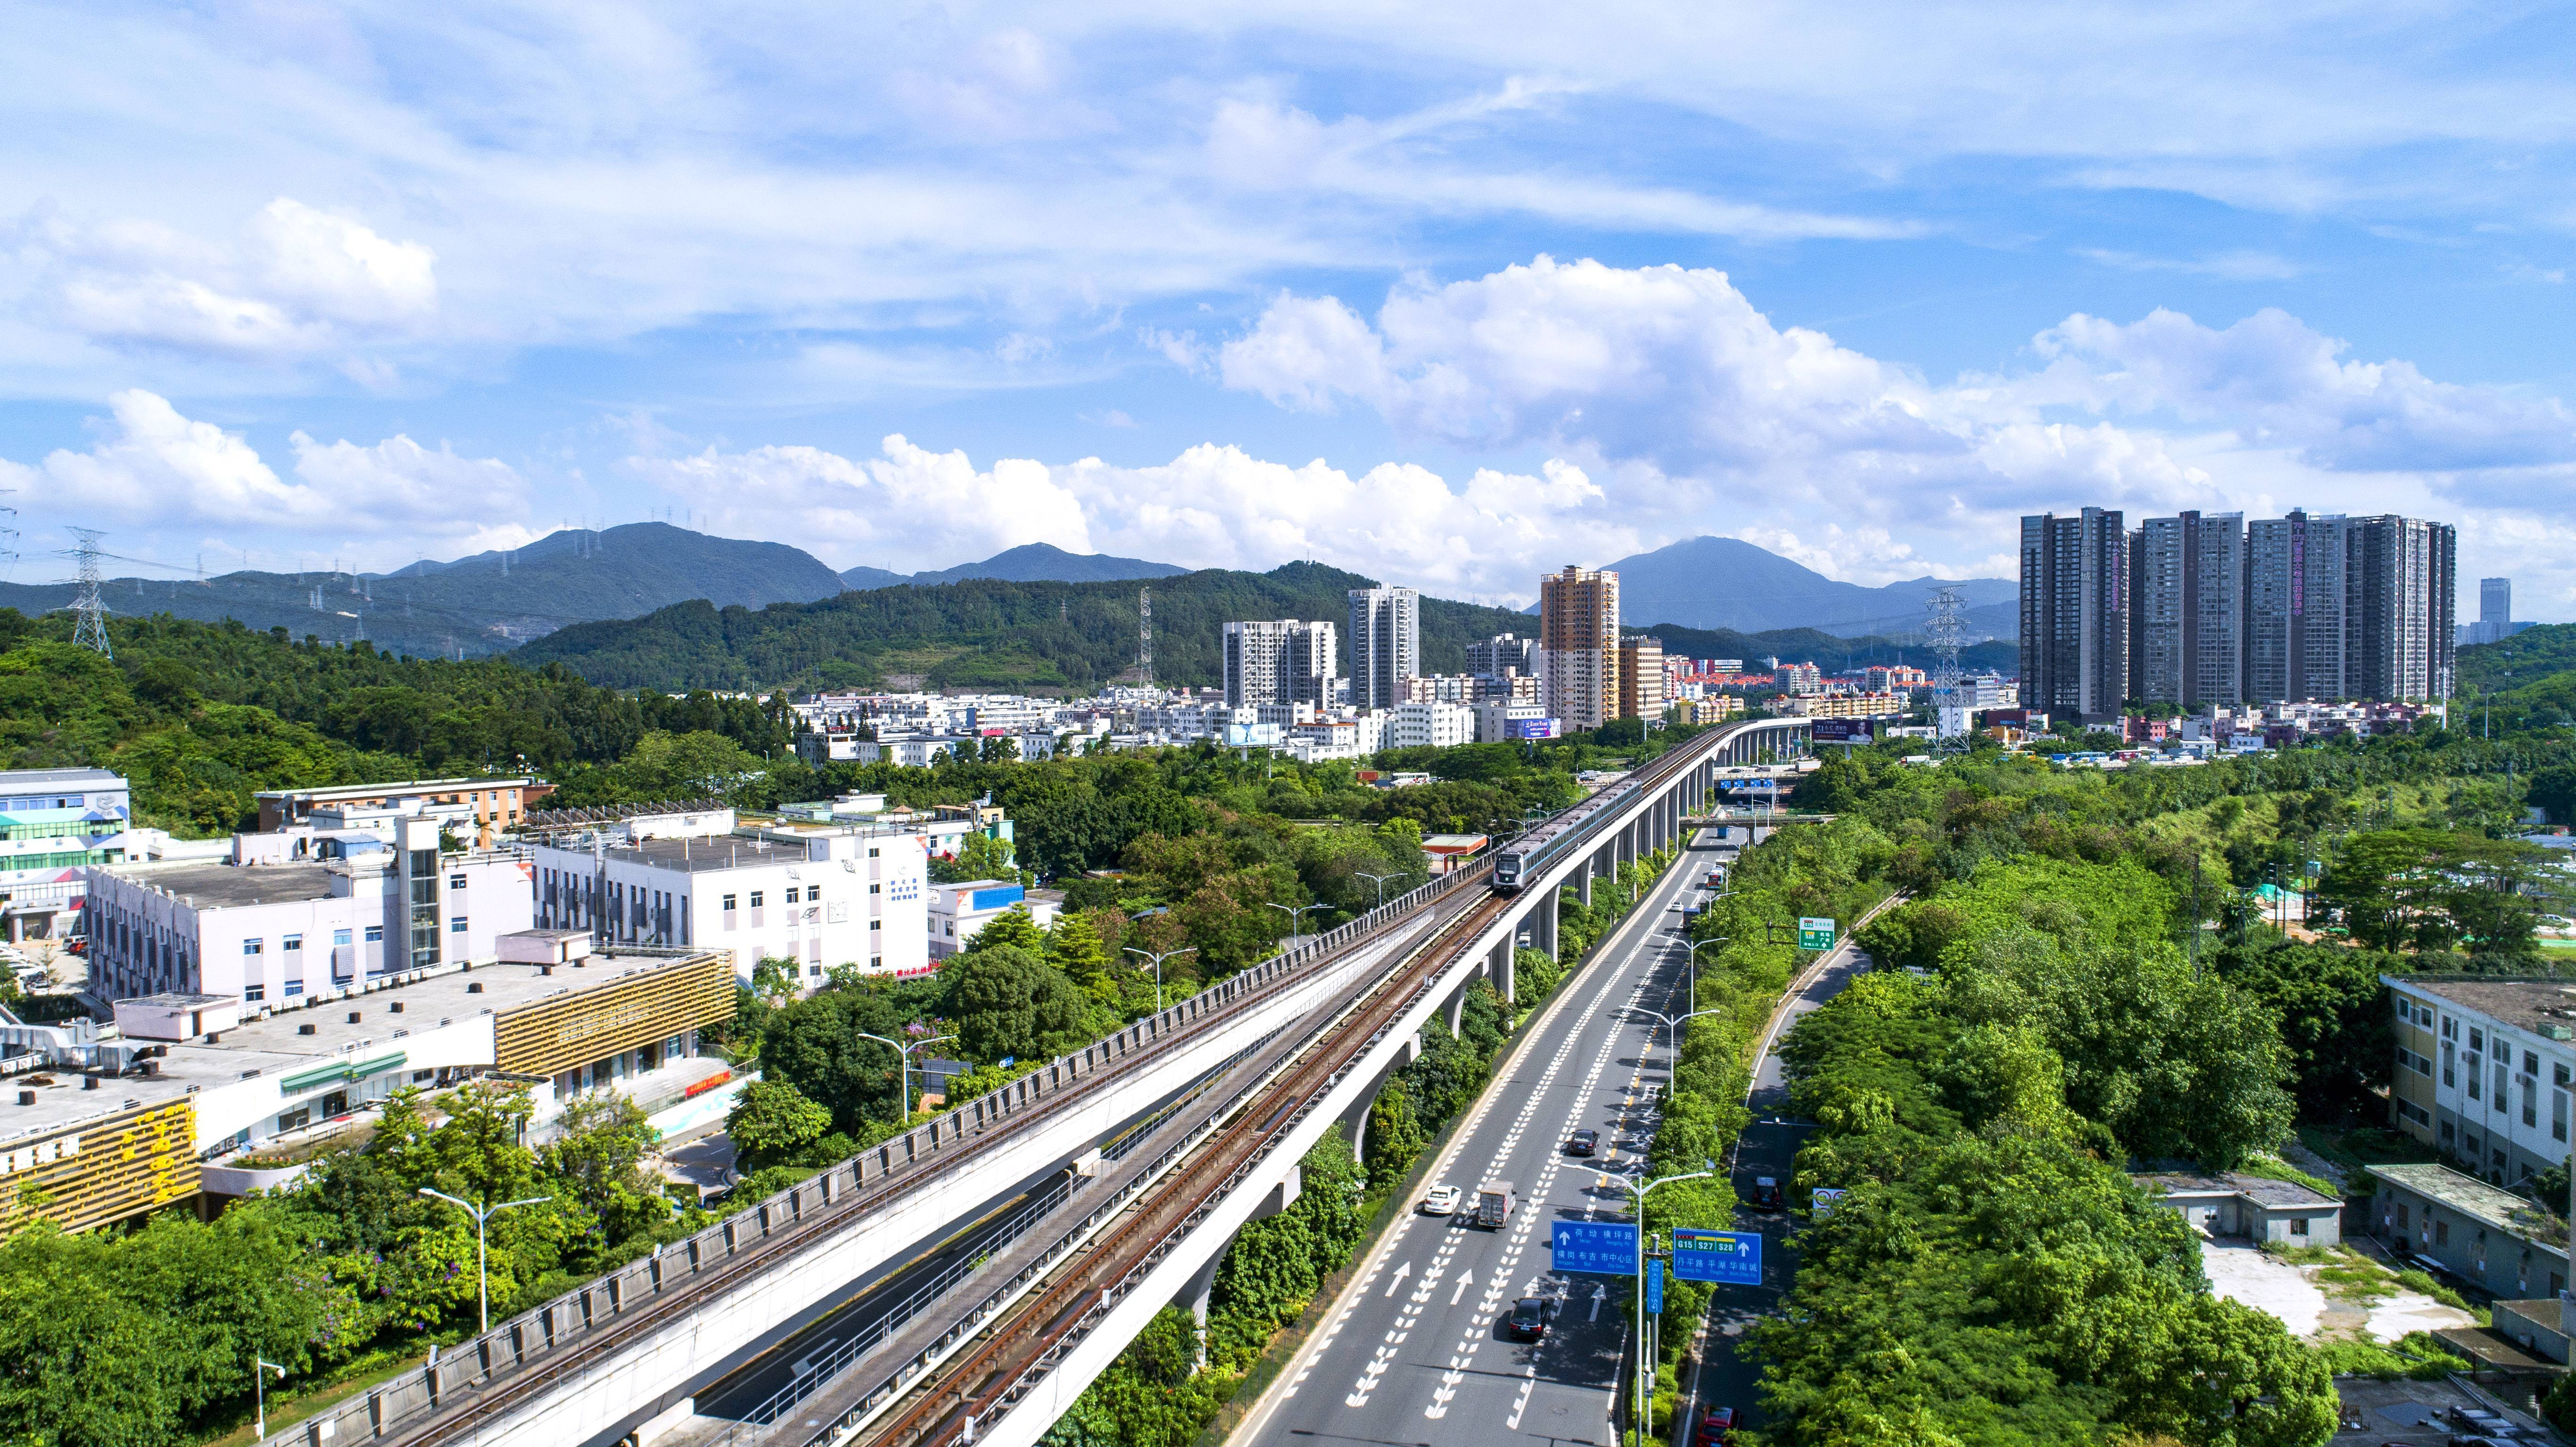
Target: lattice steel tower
pixel 1943 628
pixel 1145 637
pixel 90 629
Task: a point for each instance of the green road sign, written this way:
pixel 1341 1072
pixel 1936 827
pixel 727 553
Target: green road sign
pixel 1815 934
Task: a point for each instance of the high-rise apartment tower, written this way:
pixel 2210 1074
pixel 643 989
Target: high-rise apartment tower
pixel 1286 661
pixel 2075 614
pixel 1386 645
pixel 1578 647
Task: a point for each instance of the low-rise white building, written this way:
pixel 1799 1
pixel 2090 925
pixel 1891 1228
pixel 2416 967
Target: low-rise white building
pixel 55 824
pixel 354 909
pixel 1430 725
pixel 822 896
pixel 959 911
pixel 1499 722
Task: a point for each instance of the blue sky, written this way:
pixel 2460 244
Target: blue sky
pixel 1444 294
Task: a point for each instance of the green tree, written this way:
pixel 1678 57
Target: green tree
pixel 814 1044
pixel 1394 1136
pixel 771 1121
pixel 1009 1005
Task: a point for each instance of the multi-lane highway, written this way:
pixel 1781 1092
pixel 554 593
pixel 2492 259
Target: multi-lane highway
pixel 1416 1351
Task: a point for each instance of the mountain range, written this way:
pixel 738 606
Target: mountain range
pixel 1027 563
pixel 1709 582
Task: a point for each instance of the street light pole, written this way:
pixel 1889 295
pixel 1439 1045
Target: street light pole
pixel 1158 968
pixel 1296 915
pixel 903 1062
pixel 1694 960
pixel 1380 881
pixel 1643 1396
pixel 259 1390
pixel 482 1262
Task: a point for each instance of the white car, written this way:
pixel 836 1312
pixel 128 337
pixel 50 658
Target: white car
pixel 1440 1201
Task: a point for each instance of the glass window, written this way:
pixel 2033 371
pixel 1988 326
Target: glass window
pixel 375 934
pixel 2477 1039
pixel 252 947
pixel 2299 1227
pixel 791 894
pixel 294 987
pixel 728 901
pixel 755 899
pixel 456 881
pixel 456 926
pixel 872 853
pixel 2530 1063
pixel 293 942
pixel 876 889
pixel 254 992
pixel 339 939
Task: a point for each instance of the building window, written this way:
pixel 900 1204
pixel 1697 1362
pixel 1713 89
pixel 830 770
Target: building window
pixel 2558 1076
pixel 2500 1075
pixel 254 992
pixel 2475 1076
pixel 375 934
pixel 2446 1132
pixel 2530 1063
pixel 253 947
pixel 456 881
pixel 816 971
pixel 296 1119
pixel 755 899
pixel 2441 1233
pixel 728 904
pixel 339 939
pixel 294 988
pixel 2299 1226
pixel 791 894
pixel 876 924
pixel 872 853
pixel 2449 1075
pixel 2530 1102
pixel 293 944
pixel 2558 1115
pixel 2477 1038
pixel 876 962
pixel 456 926
pixel 876 889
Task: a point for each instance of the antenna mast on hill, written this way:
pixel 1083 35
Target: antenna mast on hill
pixel 1145 637
pixel 90 631
pixel 1942 631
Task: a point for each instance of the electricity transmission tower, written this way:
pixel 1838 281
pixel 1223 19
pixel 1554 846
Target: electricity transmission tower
pixel 1943 628
pixel 1145 637
pixel 8 535
pixel 90 629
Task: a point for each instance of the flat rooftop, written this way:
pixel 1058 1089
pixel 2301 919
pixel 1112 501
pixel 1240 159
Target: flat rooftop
pixel 273 1043
pixel 12 780
pixel 2262 1190
pixel 2493 1205
pixel 2538 1004
pixel 213 884
pixel 699 855
pixel 407 786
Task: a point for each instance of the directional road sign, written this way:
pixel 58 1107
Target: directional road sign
pixel 1815 934
pixel 1732 1257
pixel 1654 1286
pixel 1608 1248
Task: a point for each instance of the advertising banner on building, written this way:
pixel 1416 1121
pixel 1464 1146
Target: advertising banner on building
pixel 1844 730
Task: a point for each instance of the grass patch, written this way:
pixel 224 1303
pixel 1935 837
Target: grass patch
pixel 2422 1282
pixel 2273 1168
pixel 2414 1356
pixel 2366 1146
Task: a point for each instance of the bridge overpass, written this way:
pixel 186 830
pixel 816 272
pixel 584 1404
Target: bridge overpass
pixel 1279 1053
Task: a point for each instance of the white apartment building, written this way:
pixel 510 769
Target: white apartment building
pixel 2484 1070
pixel 1511 722
pixel 1430 725
pixel 1386 645
pixel 821 896
pixel 268 933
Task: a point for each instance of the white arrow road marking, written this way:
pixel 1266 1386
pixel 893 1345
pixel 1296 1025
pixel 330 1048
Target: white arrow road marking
pixel 1599 1294
pixel 1401 1272
pixel 1464 1277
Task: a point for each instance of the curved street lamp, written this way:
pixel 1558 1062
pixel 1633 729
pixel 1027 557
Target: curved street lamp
pixel 1380 881
pixel 903 1062
pixel 1643 1396
pixel 481 1215
pixel 1158 957
pixel 1296 915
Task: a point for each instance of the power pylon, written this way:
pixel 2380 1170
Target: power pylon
pixel 90 629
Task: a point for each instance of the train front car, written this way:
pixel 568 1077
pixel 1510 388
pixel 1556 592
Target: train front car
pixel 1507 873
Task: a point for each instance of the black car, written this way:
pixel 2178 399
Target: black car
pixel 1529 1318
pixel 1766 1194
pixel 1583 1143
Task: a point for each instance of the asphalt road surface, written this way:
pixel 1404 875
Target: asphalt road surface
pixel 1769 1147
pixel 1416 1350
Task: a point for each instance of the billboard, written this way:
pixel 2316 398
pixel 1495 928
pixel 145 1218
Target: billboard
pixel 1530 728
pixel 1606 1248
pixel 1733 1258
pixel 1844 730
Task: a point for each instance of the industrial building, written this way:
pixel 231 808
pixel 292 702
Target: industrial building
pixel 116 1126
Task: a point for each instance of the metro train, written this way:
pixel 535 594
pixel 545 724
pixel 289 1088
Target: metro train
pixel 1532 854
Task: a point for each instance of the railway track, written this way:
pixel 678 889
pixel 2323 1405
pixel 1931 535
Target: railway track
pixel 1001 1369
pixel 505 1385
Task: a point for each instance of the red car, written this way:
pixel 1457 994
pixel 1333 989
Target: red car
pixel 1716 1429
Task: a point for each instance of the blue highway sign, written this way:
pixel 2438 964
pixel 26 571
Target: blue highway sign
pixel 1606 1248
pixel 1731 1257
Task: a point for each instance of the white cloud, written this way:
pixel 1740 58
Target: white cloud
pixel 157 469
pixel 1709 418
pixel 297 280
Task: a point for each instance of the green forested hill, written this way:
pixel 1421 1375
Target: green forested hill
pixel 989 633
pixel 984 632
pixel 2526 681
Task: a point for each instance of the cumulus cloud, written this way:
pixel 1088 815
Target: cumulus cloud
pixel 156 468
pixel 1711 418
pixel 296 280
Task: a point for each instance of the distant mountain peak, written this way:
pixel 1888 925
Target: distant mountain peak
pixel 1027 563
pixel 1720 582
